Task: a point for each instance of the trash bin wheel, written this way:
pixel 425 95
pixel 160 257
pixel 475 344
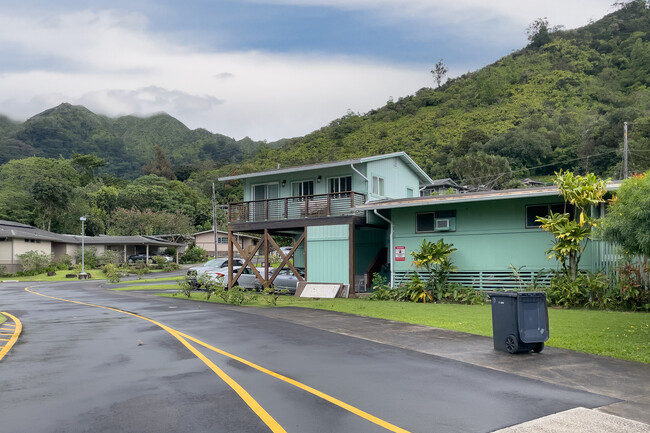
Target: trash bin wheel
pixel 512 345
pixel 538 347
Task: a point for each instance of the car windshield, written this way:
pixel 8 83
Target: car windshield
pixel 214 263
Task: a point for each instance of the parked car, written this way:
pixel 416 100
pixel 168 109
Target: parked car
pixel 248 279
pixel 286 280
pixel 215 269
pixel 139 258
pixel 142 257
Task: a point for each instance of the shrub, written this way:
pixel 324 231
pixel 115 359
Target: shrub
pixel 65 261
pixel 417 290
pixel 159 261
pixel 171 266
pixel 91 261
pixel 434 258
pixel 185 287
pixel 271 295
pixel 194 254
pixel 111 257
pixel 34 262
pixel 113 273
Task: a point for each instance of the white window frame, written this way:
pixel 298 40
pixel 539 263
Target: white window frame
pixel 378 186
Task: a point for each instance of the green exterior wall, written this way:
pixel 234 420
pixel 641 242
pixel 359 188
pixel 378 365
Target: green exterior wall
pixel 328 252
pixel 368 242
pixel 398 176
pixel 489 235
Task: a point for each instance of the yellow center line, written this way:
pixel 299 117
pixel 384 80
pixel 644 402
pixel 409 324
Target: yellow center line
pixel 304 387
pixel 248 399
pixel 182 338
pixel 14 337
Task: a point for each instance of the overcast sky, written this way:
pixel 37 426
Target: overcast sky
pixel 266 69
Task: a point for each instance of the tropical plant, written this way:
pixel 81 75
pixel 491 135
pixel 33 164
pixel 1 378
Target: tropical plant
pixel 627 222
pixel 571 232
pixel 434 258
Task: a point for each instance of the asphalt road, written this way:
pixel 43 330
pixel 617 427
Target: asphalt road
pixel 80 368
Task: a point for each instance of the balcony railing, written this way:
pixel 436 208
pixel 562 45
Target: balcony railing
pixel 291 208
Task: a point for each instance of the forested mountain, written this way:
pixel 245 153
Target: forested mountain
pixel 558 103
pixel 126 143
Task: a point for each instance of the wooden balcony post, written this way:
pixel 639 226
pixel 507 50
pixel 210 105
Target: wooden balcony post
pixel 329 204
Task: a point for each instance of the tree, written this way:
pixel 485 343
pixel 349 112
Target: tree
pixel 572 232
pixel 161 165
pixel 482 171
pixel 86 165
pixel 439 71
pixel 133 222
pixel 538 32
pixel 627 221
pixel 51 196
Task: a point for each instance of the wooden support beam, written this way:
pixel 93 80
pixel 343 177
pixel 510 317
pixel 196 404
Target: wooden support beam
pixel 351 259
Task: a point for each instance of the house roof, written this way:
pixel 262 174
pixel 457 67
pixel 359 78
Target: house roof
pixel 442 182
pixel 424 178
pixel 12 229
pixel 547 191
pixel 225 233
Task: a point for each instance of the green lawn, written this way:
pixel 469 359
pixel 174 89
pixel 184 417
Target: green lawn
pixel 2 319
pixel 60 276
pixel 607 333
pixel 150 280
pixel 148 287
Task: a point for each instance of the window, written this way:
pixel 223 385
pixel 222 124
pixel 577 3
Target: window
pixel 222 240
pixel 340 184
pixel 542 210
pixel 302 188
pixel 378 185
pixel 441 221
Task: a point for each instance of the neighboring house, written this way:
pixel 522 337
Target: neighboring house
pixel 206 240
pixel 318 205
pixel 441 186
pixel 528 182
pixel 493 232
pixel 17 238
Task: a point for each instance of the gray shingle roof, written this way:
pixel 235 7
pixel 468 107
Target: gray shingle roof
pixel 12 229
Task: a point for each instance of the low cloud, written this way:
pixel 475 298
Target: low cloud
pixel 117 67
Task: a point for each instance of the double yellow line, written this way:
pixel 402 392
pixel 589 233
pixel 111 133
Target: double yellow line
pixel 244 395
pixel 10 330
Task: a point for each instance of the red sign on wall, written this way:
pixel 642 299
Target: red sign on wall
pixel 400 254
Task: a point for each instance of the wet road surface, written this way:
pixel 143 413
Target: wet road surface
pixel 79 368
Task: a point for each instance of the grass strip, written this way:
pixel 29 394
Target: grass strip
pixel 3 319
pixel 151 280
pixel 61 276
pixel 623 335
pixel 148 287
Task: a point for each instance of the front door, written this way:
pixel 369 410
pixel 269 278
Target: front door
pixel 261 194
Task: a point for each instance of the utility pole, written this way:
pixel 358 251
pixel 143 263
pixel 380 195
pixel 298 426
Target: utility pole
pixel 214 220
pixel 625 150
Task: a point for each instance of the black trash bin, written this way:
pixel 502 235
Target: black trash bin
pixel 519 321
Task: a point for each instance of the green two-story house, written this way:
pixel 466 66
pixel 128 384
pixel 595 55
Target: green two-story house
pixel 318 206
pixel 349 219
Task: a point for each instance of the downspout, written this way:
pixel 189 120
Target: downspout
pixel 366 179
pixel 390 252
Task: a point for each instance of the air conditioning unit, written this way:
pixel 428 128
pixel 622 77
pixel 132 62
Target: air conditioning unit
pixel 443 224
